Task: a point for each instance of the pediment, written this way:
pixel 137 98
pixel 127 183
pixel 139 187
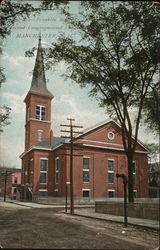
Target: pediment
pixel 106 135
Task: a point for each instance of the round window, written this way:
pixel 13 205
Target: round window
pixel 111 135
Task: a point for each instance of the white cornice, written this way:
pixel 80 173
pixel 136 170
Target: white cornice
pixel 33 119
pixel 35 148
pixel 85 145
pixel 100 142
pixel 39 148
pixel 110 148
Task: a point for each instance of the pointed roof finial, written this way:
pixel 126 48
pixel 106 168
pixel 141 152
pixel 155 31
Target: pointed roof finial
pixel 40 36
pixel 38 84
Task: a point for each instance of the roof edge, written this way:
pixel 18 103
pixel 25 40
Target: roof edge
pixel 100 124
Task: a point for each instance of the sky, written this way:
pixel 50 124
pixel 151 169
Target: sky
pixel 69 99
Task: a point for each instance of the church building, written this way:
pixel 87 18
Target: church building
pixel 98 154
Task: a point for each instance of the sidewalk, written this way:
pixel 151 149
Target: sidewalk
pixel 90 213
pixel 39 205
pixel 33 204
pixel 85 211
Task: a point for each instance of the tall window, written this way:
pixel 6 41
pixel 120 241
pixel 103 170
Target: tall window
pixel 40 112
pixel 110 171
pixel 85 169
pixel 40 133
pixel 32 170
pixel 43 176
pixel 57 170
pixel 134 173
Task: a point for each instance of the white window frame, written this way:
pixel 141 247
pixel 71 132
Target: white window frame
pixel 86 189
pixel 56 170
pixel 43 190
pixel 111 171
pixel 40 115
pixel 135 191
pixel 111 190
pixel 46 172
pixel 111 133
pixel 87 170
pixel 40 138
pixel 134 173
pixel 32 170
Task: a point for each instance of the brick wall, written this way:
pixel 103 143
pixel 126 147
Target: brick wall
pixel 32 125
pixel 99 149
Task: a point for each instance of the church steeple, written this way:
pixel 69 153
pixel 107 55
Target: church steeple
pixel 38 105
pixel 38 85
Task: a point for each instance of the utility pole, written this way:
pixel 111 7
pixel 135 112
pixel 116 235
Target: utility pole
pixel 71 126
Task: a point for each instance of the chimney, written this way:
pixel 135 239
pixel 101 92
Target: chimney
pixel 51 137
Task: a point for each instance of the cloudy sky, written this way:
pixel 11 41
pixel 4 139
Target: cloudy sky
pixel 69 99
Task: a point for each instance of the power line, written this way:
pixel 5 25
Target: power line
pixel 71 137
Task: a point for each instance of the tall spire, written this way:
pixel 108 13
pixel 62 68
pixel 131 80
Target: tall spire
pixel 38 84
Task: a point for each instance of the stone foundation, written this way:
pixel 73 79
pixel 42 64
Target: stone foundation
pixel 145 210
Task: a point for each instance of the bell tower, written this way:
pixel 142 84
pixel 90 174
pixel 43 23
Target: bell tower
pixel 38 105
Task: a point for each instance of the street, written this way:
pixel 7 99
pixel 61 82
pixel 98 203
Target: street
pixel 51 228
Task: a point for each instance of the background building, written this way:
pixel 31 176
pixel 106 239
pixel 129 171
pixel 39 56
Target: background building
pixel 16 184
pixel 12 176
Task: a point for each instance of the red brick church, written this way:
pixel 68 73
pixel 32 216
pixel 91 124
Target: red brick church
pixel 98 153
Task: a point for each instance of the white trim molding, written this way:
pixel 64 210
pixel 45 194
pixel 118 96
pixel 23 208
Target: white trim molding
pixel 117 149
pixel 33 119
